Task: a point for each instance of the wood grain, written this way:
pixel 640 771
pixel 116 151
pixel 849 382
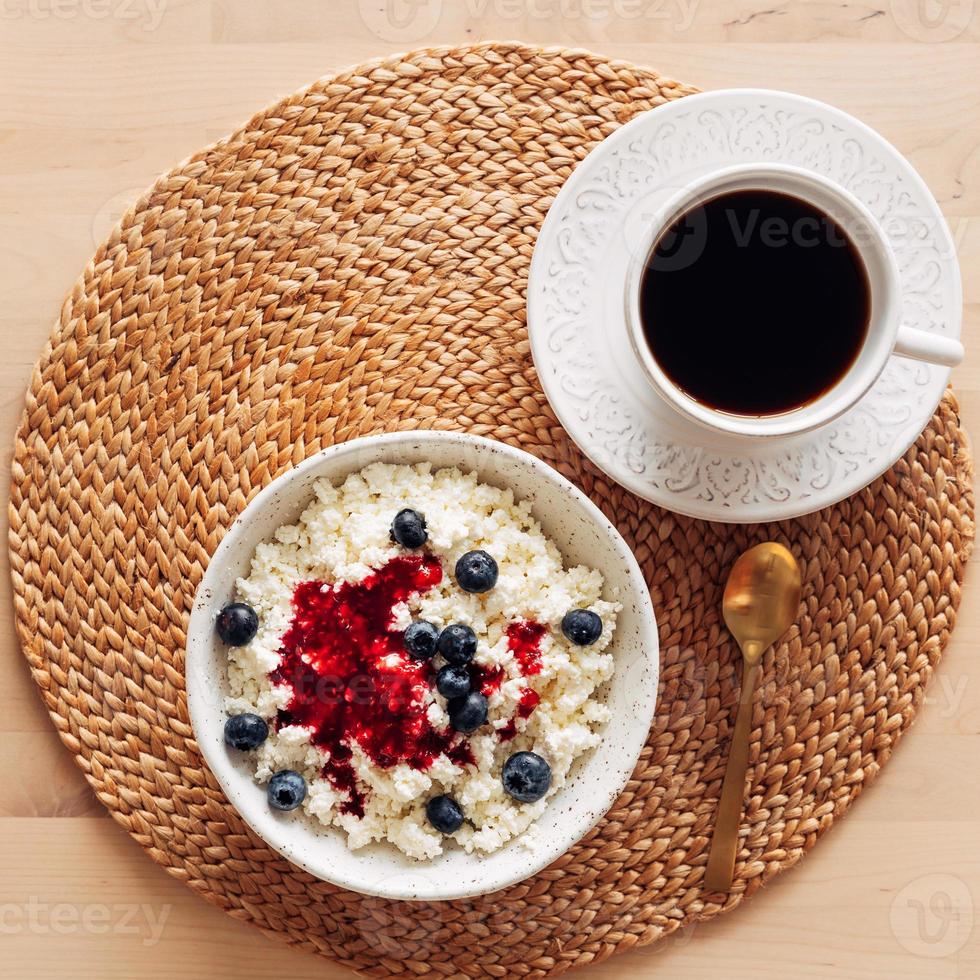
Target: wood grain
pixel 92 108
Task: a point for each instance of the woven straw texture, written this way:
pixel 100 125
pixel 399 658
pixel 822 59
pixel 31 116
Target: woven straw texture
pixel 354 260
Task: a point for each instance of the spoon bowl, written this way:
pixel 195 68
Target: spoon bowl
pixel 761 602
pixel 762 597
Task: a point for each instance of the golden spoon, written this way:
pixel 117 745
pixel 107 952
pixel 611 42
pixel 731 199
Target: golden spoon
pixel 762 598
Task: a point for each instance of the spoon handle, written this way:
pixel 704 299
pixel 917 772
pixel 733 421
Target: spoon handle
pixel 724 843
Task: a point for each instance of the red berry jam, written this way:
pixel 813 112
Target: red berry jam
pixel 352 680
pixel 486 680
pixel 524 640
pixel 525 706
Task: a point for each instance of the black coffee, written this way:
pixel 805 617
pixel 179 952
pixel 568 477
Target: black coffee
pixel 755 302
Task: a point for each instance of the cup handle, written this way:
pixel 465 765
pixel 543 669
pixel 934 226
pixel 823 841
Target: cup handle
pixel 922 345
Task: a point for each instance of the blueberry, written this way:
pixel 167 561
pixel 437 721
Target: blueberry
pixel 245 731
pixel 287 789
pixel 467 713
pixel 476 571
pixel 420 640
pixel 453 681
pixel 237 624
pixel 457 643
pixel 408 529
pixel 526 777
pixel 444 814
pixel 581 626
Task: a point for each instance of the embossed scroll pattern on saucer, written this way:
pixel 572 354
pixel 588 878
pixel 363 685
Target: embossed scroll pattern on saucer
pixel 579 338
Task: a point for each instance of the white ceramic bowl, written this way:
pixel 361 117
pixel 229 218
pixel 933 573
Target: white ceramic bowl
pixel 583 535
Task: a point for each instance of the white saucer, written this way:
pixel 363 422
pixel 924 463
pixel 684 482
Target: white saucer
pixel 577 322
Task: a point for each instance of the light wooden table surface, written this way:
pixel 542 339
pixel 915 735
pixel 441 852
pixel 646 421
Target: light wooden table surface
pixel 99 96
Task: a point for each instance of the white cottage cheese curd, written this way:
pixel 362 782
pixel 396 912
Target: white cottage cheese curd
pixel 341 541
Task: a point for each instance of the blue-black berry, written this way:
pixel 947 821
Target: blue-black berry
pixel 287 789
pixel 444 814
pixel 476 571
pixel 457 643
pixel 237 624
pixel 246 731
pixel 408 529
pixel 453 681
pixel 420 640
pixel 526 777
pixel 581 626
pixel 467 713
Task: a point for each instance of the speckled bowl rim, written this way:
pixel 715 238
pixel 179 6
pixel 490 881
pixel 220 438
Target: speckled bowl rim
pixel 295 836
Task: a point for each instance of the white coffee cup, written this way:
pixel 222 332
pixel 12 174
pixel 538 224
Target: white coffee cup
pixel 886 335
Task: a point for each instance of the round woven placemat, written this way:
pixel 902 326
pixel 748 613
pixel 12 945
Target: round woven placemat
pixel 354 260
